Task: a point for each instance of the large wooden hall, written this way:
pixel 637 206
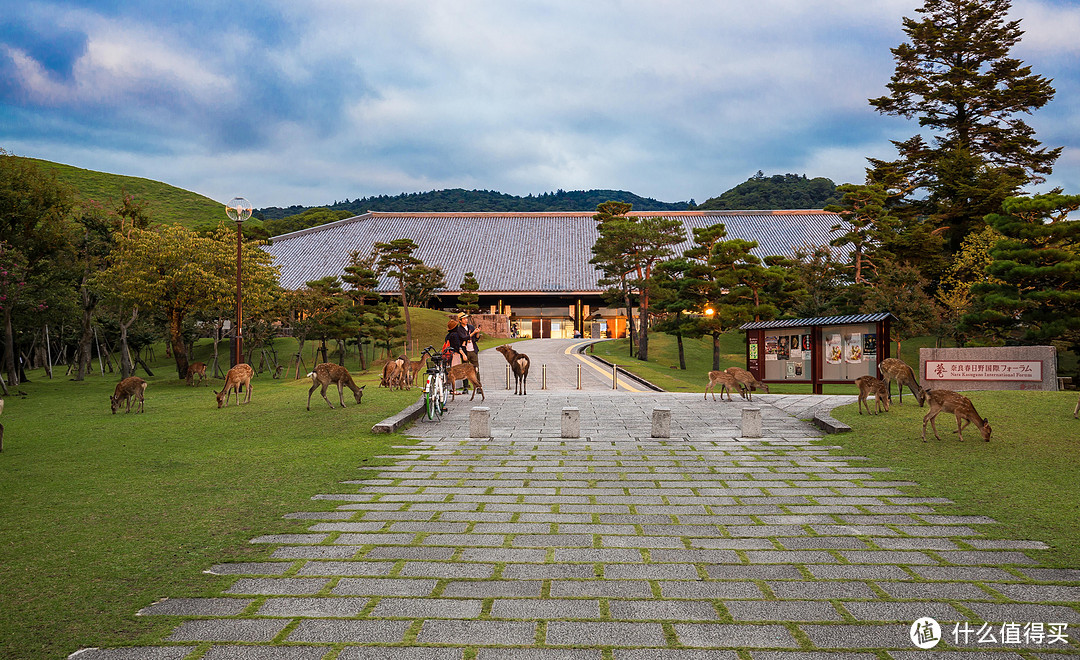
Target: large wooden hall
pixel 532 267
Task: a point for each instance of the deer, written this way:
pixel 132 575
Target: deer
pixel 895 369
pixel 394 373
pixel 199 369
pixel 327 374
pixel 726 382
pixel 465 371
pixel 519 362
pixel 747 381
pixel 1075 410
pixel 132 387
pixel 415 367
pixel 237 377
pixel 869 385
pixel 959 405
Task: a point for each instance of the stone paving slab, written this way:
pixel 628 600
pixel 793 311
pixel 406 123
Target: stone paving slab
pixel 619 546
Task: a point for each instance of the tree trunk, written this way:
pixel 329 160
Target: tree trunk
pixel 716 351
pixel 682 356
pixel 141 363
pixel 405 306
pixel 643 334
pixel 215 372
pixel 176 342
pixel 9 348
pixel 360 350
pixel 127 369
pixel 631 328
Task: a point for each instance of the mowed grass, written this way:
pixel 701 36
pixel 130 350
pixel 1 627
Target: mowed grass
pixel 1025 478
pixel 103 514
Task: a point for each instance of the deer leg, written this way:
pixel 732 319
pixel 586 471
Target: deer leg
pixel 323 393
pixel 248 399
pixel 928 418
pixel 314 386
pixel 341 394
pixel 960 426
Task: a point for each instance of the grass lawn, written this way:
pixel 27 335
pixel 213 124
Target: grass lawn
pixel 102 514
pixel 1025 477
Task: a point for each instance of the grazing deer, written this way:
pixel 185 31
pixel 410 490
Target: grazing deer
pixel 196 368
pixel 869 385
pixel 326 374
pixel 394 373
pixel 237 377
pixel 465 371
pixel 125 391
pixel 894 369
pixel 959 405
pixel 519 362
pixel 747 380
pixel 726 382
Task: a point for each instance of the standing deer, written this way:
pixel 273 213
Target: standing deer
pixel 133 387
pixel 415 367
pixel 959 405
pixel 465 371
pixel 199 369
pixel 519 362
pixel 326 374
pixel 747 380
pixel 869 385
pixel 898 370
pixel 726 382
pixel 237 377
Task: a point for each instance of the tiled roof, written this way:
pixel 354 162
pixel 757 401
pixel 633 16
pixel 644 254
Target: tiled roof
pixel 821 320
pixel 518 252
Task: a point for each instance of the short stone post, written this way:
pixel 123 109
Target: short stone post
pixel 751 422
pixel 480 422
pixel 661 422
pixel 571 423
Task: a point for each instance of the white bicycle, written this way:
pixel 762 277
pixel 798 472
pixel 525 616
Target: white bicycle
pixel 435 388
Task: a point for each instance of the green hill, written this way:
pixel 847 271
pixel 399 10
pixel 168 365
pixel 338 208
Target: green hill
pixel 458 200
pixel 779 191
pixel 167 204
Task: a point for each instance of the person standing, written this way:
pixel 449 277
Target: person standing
pixel 472 334
pixel 455 343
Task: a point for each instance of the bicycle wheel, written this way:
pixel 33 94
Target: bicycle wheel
pixel 431 400
pixel 443 392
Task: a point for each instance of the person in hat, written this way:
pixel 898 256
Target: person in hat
pixel 472 334
pixel 456 335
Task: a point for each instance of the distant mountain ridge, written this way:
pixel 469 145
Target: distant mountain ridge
pixel 479 201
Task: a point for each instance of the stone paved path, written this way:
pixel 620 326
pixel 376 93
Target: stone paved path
pixel 618 546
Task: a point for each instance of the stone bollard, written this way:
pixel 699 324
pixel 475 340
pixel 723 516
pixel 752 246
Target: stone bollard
pixel 571 423
pixel 661 422
pixel 480 422
pixel 751 422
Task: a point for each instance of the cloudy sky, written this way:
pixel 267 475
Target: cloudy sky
pixel 310 101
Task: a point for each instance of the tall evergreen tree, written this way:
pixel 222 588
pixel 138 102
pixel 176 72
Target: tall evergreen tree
pixel 1036 295
pixel 957 77
pixel 396 259
pixel 468 298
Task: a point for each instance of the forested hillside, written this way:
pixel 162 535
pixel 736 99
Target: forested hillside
pixel 166 204
pixel 779 191
pixel 480 201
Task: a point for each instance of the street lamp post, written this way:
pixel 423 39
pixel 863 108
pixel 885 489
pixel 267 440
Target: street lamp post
pixel 238 209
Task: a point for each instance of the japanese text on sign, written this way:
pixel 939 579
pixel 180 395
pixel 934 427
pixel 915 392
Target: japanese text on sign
pixel 1012 370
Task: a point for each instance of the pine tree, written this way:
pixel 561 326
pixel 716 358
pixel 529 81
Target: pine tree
pixel 1037 265
pixel 956 76
pixel 468 298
